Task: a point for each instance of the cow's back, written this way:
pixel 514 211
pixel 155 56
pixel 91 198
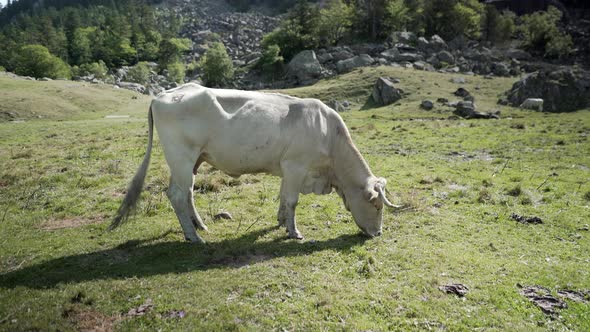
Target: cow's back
pixel 243 132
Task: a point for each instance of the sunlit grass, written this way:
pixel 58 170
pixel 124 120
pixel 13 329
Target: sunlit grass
pixel 458 180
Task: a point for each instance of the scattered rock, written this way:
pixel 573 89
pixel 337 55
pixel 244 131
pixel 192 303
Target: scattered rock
pixel 446 56
pixel 543 299
pixel 458 80
pixel 339 106
pixel 500 69
pixel 457 289
pixel 390 54
pixel 461 92
pixel 222 215
pixel 174 314
pixel 133 87
pixel 427 105
pixel 437 43
pixel 142 309
pixel 526 220
pixel 576 296
pixel 404 37
pixel 466 109
pixel 385 93
pixel 533 104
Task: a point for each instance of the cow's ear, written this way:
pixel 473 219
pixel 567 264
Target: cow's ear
pixel 371 194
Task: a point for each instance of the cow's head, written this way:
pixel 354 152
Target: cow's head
pixel 366 205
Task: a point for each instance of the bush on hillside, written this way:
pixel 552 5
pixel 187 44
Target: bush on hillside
pixel 542 35
pixel 271 63
pixel 497 27
pixel 36 61
pixel 300 31
pixel 335 22
pixel 176 72
pixel 140 73
pixel 216 65
pixel 171 50
pixel 98 69
pixel 396 16
pixel 452 18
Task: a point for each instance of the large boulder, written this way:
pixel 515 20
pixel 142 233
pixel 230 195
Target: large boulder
pixel 437 44
pixel 341 53
pixel 410 57
pixel 390 54
pixel 500 69
pixel 347 65
pixel 385 93
pixel 563 90
pixel 446 56
pixel 404 37
pixel 305 66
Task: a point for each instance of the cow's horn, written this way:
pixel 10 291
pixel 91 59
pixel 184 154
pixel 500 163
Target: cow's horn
pixel 385 200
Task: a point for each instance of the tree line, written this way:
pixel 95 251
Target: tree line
pixel 311 25
pixel 65 37
pixel 59 38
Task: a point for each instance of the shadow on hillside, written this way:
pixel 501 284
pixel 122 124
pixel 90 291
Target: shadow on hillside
pixel 139 258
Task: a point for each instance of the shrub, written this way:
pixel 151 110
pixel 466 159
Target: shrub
pixel 216 65
pixel 300 31
pixel 452 18
pixel 497 27
pixel 140 73
pixel 542 35
pixel 36 61
pixel 98 69
pixel 171 50
pixel 2 69
pixel 396 16
pixel 335 21
pixel 271 63
pixel 176 72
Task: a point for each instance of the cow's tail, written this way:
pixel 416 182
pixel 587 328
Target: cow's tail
pixel 134 190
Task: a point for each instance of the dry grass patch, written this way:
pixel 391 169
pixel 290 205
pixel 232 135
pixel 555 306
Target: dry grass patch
pixel 73 222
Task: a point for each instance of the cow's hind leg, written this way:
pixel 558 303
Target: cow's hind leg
pixel 180 193
pixel 281 214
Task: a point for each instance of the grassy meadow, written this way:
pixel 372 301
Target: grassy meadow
pixel 64 169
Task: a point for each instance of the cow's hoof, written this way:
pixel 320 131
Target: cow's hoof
pixel 194 239
pixel 296 236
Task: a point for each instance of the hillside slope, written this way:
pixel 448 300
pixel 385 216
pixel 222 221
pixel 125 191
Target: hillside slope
pixel 64 100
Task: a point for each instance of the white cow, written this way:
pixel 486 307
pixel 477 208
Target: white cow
pixel 533 104
pixel 239 132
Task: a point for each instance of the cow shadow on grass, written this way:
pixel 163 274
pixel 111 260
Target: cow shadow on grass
pixel 143 258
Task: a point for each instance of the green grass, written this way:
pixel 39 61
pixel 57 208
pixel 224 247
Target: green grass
pixel 459 182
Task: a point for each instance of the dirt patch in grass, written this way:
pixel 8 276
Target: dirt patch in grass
pixel 87 319
pixel 241 261
pixel 73 222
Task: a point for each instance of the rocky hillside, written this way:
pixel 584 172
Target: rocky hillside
pixel 207 20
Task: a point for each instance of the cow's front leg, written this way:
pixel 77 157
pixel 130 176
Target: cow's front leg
pixel 290 187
